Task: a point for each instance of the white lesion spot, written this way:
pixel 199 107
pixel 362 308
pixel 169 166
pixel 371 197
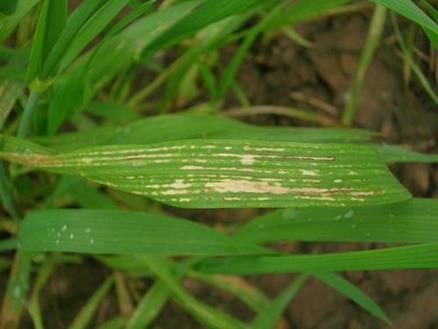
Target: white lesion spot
pixel 248 159
pixel 306 172
pixel 192 168
pixel 179 184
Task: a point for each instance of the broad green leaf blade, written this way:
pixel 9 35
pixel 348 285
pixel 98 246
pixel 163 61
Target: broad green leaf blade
pixel 348 289
pixel 423 256
pixel 268 317
pixel 84 317
pixel 119 232
pixel 413 221
pixel 393 153
pixel 229 173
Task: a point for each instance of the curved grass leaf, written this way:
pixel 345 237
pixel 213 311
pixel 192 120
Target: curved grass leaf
pixel 227 173
pixel 119 232
pixel 268 317
pixel 209 316
pixel 423 256
pixel 85 315
pixel 348 289
pixel 413 221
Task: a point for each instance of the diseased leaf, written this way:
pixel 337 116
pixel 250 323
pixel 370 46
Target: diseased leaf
pixel 227 173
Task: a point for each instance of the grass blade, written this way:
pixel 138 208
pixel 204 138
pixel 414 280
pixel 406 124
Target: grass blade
pixel 423 256
pixel 394 153
pixel 343 286
pixel 119 232
pixel 85 315
pixel 267 318
pixel 228 173
pixel 414 221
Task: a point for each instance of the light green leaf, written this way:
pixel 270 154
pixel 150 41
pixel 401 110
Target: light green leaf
pixel 119 232
pixel 228 173
pixel 352 292
pixel 411 222
pixel 82 320
pixel 394 153
pixel 423 256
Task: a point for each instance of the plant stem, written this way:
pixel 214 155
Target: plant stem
pixel 29 109
pixel 374 33
pixel 6 193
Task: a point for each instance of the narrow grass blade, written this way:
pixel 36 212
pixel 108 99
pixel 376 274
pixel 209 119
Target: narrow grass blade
pixel 149 306
pixel 373 38
pixel 228 173
pixel 119 232
pixel 9 92
pixel 268 318
pixel 38 44
pixel 411 11
pixel 41 279
pixel 399 154
pixel 118 322
pixel 348 289
pixel 423 256
pixel 8 244
pixel 16 292
pixel 78 18
pixel 208 12
pixel 414 221
pixel 91 28
pixel 85 315
pixel 9 23
pixel 206 314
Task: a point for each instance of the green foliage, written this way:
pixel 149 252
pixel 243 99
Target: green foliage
pixel 74 81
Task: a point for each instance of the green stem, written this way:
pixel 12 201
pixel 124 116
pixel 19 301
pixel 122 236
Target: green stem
pixel 29 109
pixel 374 33
pixel 6 193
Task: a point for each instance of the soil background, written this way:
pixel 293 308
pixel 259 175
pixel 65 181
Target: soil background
pixel 280 72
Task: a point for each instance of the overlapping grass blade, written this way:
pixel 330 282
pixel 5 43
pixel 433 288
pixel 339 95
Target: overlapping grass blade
pixel 120 232
pixel 267 318
pixel 410 10
pixel 10 22
pixel 348 289
pixel 83 319
pixel 423 256
pixel 206 314
pixel 414 221
pixel 228 173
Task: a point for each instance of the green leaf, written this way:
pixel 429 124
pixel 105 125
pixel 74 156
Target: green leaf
pixel 352 292
pixel 206 314
pixel 119 232
pixel 82 320
pixel 8 7
pixel 193 125
pixel 394 153
pixel 268 317
pixel 9 23
pixel 410 222
pixel 9 92
pixel 423 256
pixel 91 28
pixel 228 173
pixel 50 24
